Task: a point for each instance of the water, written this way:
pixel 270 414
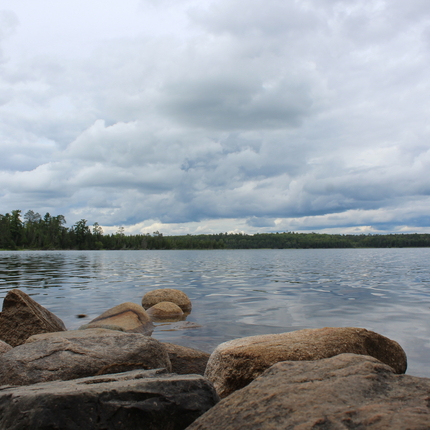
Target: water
pixel 238 293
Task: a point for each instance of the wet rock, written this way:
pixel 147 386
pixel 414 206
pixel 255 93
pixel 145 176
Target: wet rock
pixel 4 347
pixel 80 353
pixel 236 363
pixel 133 400
pixel 186 360
pixel 22 317
pixel 165 311
pixel 128 317
pixel 181 325
pixel 167 295
pixel 347 391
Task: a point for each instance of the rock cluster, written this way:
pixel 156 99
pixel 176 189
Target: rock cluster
pixel 177 297
pixel 111 374
pixel 346 391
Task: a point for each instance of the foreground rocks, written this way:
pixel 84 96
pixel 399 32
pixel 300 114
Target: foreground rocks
pixel 343 392
pixel 22 317
pixel 131 400
pixel 185 360
pixel 167 295
pixel 4 347
pixel 128 317
pixel 80 353
pixel 236 363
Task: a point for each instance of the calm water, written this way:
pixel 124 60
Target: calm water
pixel 242 292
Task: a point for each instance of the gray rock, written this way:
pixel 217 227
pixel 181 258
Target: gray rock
pixel 236 363
pixel 344 392
pixel 4 347
pixel 22 317
pixel 80 353
pixel 132 400
pixel 185 360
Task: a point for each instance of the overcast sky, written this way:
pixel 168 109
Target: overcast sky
pixel 209 116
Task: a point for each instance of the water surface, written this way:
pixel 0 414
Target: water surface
pixel 239 293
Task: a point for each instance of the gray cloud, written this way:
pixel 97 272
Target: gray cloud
pixel 277 115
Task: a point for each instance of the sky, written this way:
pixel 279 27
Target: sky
pixel 210 116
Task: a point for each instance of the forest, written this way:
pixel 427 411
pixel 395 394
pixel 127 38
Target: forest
pixel 32 231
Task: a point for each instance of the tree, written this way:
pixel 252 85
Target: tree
pixel 97 230
pixel 82 231
pixel 16 227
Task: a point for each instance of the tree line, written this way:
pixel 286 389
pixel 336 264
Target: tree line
pixel 32 231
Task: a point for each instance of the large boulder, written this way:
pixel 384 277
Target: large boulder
pixel 128 317
pixel 344 392
pixel 165 311
pixel 236 363
pixel 167 295
pixel 22 317
pixel 186 360
pixel 80 353
pixel 143 399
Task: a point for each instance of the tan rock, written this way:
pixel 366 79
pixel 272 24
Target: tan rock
pixel 80 353
pixel 165 311
pixel 344 392
pixel 22 317
pixel 186 361
pixel 4 347
pixel 167 295
pixel 236 363
pixel 128 317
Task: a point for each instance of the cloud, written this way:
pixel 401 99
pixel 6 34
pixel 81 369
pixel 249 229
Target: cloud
pixel 250 116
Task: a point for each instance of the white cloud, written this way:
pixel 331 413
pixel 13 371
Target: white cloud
pixel 249 116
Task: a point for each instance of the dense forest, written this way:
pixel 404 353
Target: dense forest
pixel 32 231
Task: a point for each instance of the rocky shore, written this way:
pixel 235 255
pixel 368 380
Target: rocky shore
pixel 111 374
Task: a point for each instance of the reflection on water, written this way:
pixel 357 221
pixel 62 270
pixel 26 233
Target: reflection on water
pixel 241 292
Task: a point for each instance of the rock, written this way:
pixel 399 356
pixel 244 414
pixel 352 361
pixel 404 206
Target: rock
pixel 236 363
pixel 344 392
pixel 104 326
pixel 142 399
pixel 181 325
pixel 128 316
pixel 165 311
pixel 167 295
pixel 186 360
pixel 80 353
pixel 4 347
pixel 22 317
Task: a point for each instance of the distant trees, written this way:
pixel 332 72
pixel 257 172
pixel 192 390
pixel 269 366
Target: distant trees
pixel 50 232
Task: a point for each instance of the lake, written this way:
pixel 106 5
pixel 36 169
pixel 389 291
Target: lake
pixel 238 293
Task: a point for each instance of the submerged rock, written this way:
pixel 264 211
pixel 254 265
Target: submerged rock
pixel 140 399
pixel 22 317
pixel 167 295
pixel 236 363
pixel 80 353
pixel 128 317
pixel 347 391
